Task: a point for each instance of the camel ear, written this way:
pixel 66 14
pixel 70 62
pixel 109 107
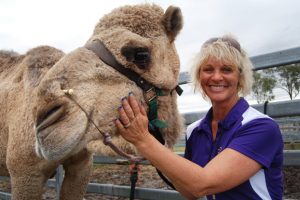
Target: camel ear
pixel 38 61
pixel 172 21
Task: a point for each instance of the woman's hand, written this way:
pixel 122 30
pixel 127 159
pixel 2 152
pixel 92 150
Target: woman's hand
pixel 133 121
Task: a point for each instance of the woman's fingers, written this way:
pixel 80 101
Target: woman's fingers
pixel 128 109
pixel 119 125
pixel 134 104
pixel 123 117
pixel 132 122
pixel 142 110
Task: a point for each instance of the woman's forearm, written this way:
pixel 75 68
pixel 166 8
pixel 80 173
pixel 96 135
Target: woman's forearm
pixel 184 174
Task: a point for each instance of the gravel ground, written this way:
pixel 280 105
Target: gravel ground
pixel 148 178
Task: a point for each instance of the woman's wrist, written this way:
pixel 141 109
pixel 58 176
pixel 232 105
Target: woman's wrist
pixel 145 143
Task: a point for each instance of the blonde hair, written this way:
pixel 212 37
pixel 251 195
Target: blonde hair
pixel 227 49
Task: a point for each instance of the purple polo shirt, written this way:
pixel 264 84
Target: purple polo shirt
pixel 249 132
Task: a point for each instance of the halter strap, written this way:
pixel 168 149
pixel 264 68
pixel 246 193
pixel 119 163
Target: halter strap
pixel 107 57
pixel 151 91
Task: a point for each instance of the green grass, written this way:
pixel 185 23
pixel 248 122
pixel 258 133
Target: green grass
pixel 292 146
pixel 178 149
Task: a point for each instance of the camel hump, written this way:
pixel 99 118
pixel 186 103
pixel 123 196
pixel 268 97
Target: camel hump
pixel 38 57
pixel 43 56
pixel 8 58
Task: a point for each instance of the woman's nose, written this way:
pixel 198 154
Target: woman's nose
pixel 217 75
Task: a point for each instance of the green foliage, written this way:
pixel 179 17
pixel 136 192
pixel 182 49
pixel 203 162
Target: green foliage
pixel 289 79
pixel 292 146
pixel 263 86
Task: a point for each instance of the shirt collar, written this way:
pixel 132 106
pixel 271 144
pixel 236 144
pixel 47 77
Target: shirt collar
pixel 234 114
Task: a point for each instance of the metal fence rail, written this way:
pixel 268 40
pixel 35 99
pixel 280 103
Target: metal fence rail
pixel 291 158
pixel 124 191
pixel 274 109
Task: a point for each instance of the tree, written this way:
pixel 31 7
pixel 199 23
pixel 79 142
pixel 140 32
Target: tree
pixel 289 79
pixel 263 86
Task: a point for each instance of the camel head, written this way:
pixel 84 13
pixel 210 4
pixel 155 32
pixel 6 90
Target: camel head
pixel 82 91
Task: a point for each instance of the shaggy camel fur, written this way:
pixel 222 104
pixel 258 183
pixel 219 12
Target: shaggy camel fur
pixel 42 127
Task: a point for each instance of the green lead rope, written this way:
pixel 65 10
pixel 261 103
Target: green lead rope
pixel 154 125
pixel 154 122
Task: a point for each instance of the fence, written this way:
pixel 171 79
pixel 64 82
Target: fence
pixel 274 109
pixel 291 158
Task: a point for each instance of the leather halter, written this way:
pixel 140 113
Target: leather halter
pixel 106 56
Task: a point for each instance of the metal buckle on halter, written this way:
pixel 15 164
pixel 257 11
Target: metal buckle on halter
pixel 150 94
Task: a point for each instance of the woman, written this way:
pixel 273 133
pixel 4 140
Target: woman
pixel 234 152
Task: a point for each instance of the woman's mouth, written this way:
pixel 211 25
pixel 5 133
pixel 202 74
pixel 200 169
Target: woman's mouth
pixel 217 88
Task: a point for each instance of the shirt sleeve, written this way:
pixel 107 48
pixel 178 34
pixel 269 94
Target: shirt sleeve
pixel 187 151
pixel 189 130
pixel 259 139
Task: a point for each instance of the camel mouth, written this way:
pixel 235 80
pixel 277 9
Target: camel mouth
pixel 59 132
pixel 50 117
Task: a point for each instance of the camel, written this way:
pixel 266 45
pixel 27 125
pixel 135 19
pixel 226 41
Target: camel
pixel 54 106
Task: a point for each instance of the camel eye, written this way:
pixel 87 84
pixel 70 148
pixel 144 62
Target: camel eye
pixel 141 56
pixel 137 55
pixel 142 59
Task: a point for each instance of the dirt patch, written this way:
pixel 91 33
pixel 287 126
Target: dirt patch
pixel 292 182
pixel 148 178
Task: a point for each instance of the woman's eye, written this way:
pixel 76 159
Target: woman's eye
pixel 227 69
pixel 208 69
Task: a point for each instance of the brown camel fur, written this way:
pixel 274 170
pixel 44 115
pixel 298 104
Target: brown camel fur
pixel 42 127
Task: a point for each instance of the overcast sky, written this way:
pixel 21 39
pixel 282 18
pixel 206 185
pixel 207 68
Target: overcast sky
pixel 261 26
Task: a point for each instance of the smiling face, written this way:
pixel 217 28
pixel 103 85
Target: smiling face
pixel 219 81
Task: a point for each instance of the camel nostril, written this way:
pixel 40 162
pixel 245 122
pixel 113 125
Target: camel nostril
pixel 50 116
